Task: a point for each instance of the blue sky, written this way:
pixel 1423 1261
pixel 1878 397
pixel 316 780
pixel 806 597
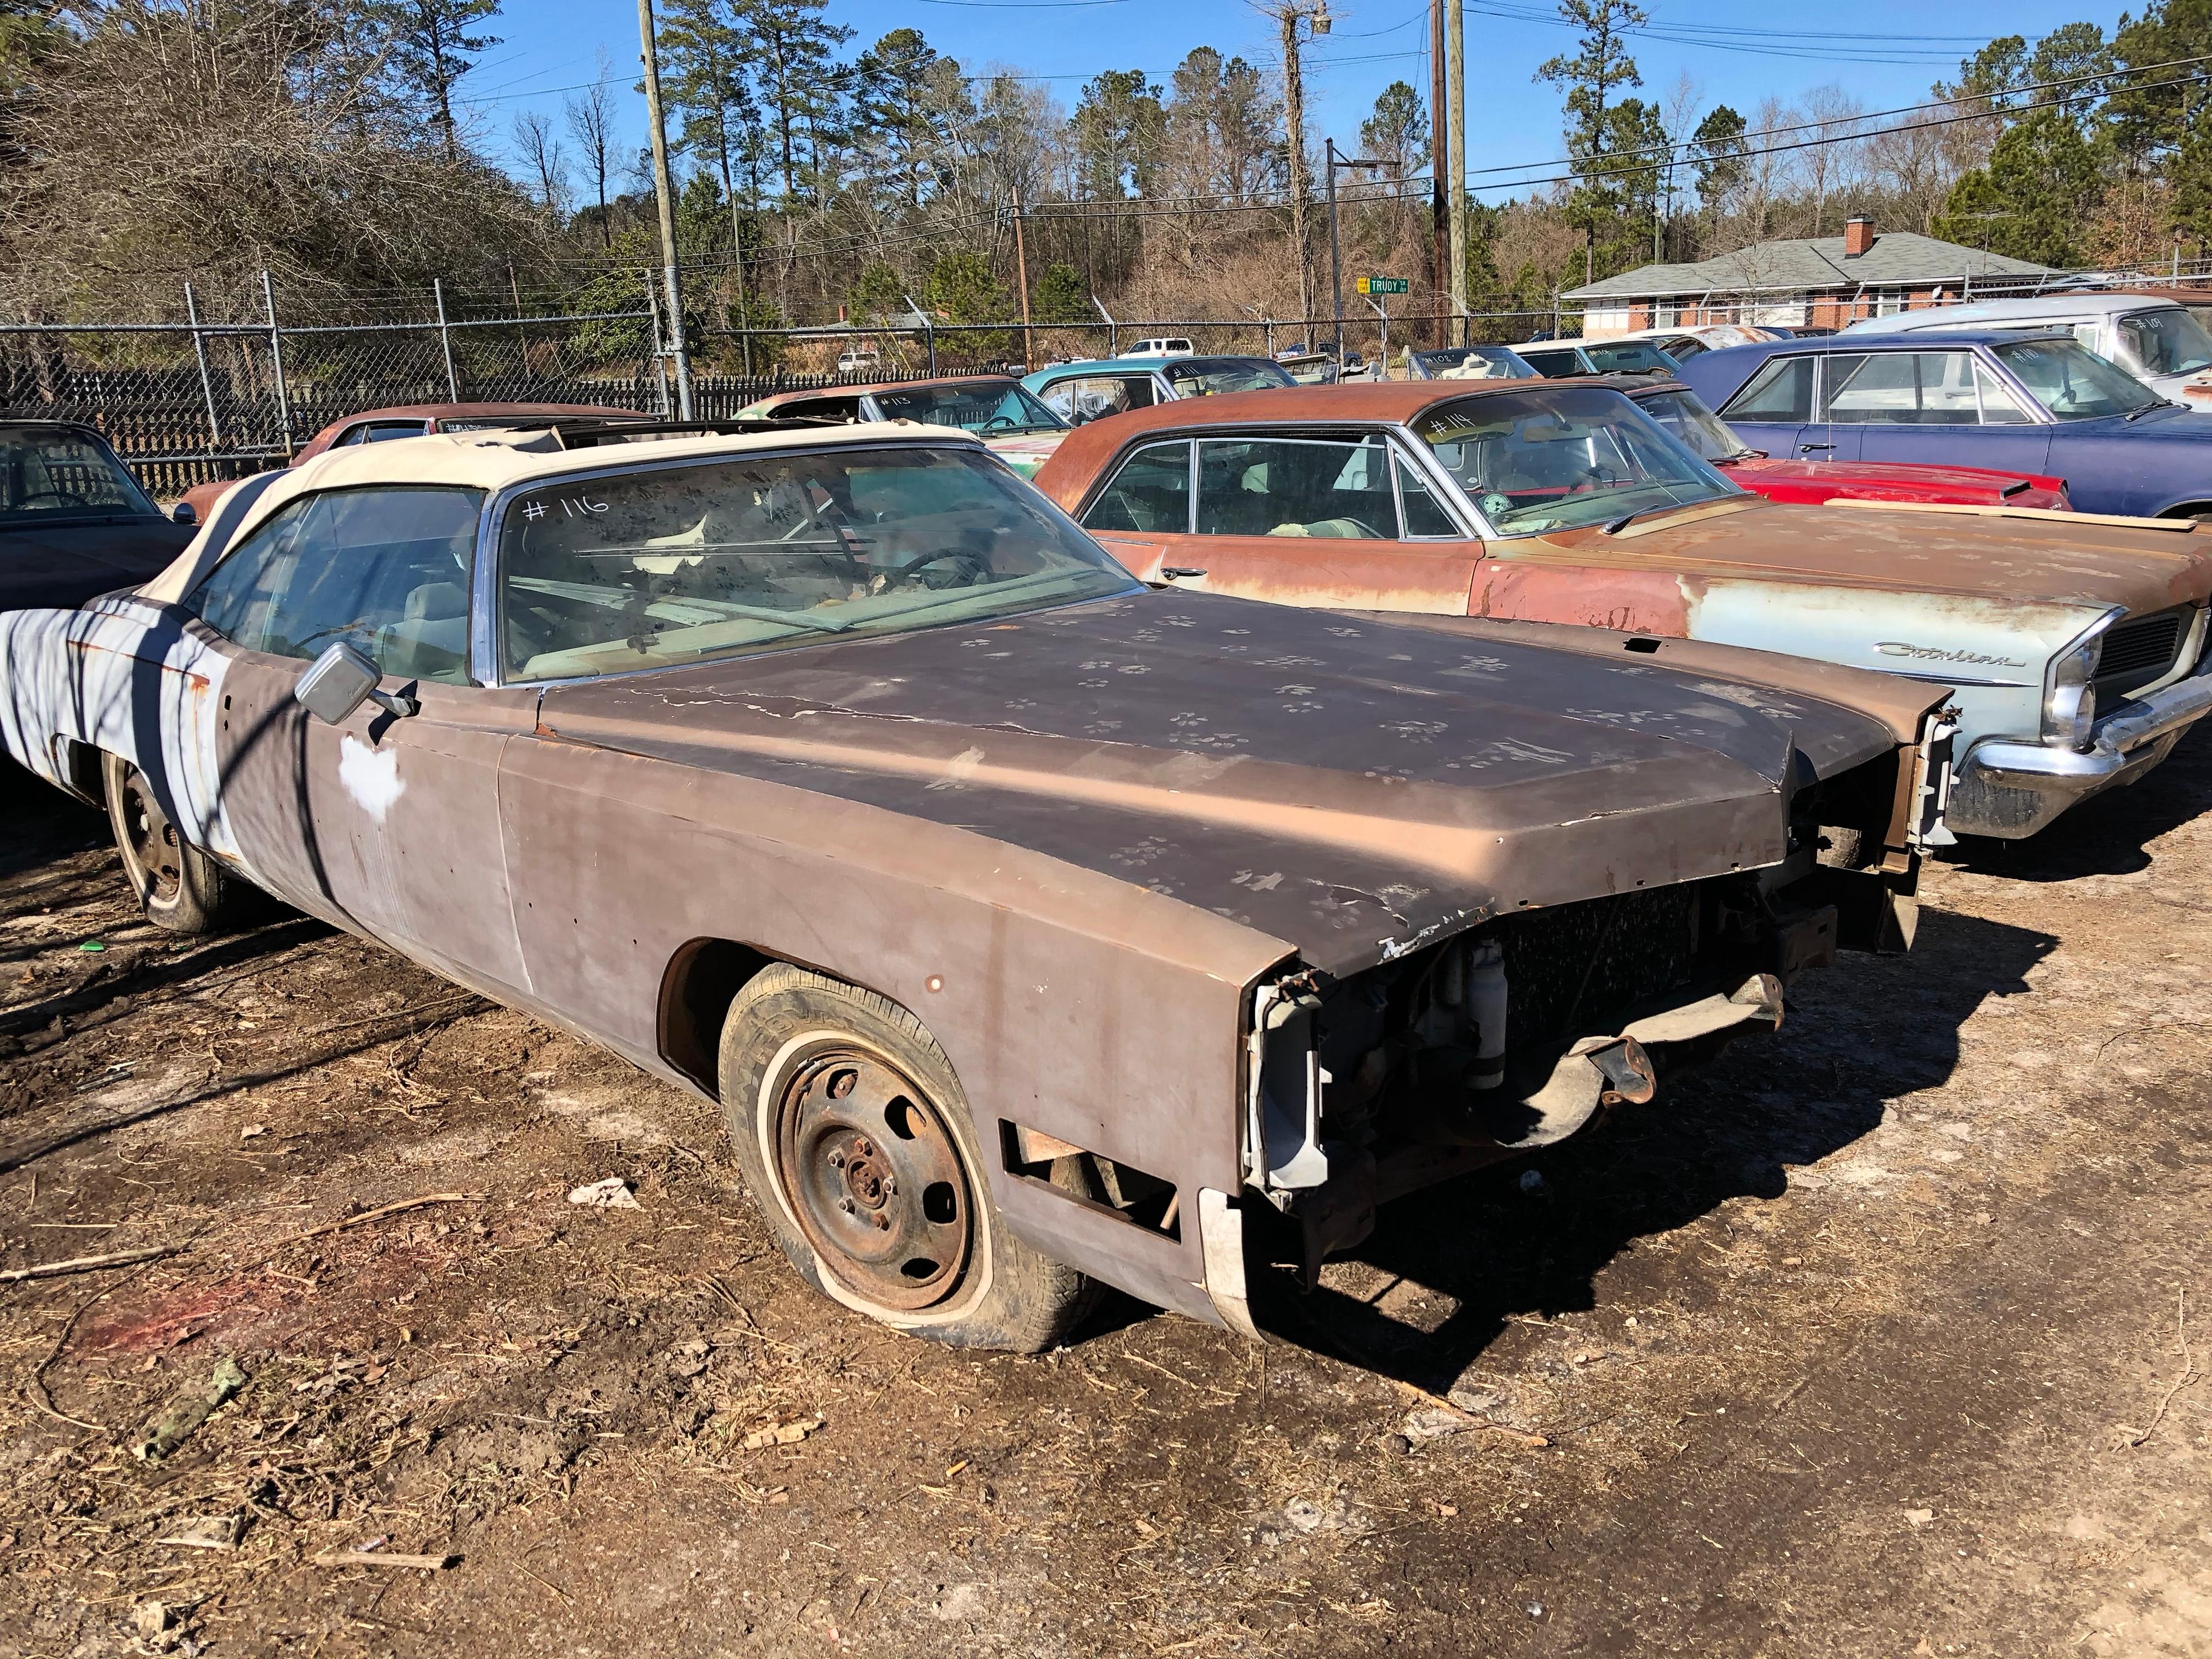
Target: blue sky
pixel 1884 52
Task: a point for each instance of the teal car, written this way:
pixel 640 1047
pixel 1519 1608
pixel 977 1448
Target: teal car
pixel 1082 392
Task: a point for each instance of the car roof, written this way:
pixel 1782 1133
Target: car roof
pixel 2100 303
pixel 1350 403
pixel 491 461
pixel 1717 376
pixel 468 412
pixel 52 424
pixel 1917 341
pixel 1182 359
pixel 864 389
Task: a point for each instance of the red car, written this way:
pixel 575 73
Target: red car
pixel 414 420
pixel 1684 414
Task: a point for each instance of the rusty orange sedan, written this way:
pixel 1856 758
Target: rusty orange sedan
pixel 2077 643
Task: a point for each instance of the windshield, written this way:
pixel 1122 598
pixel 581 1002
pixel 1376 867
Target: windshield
pixel 1476 363
pixel 680 564
pixel 54 472
pixel 2168 341
pixel 2073 382
pixel 989 409
pixel 1633 357
pixel 1207 377
pixel 1683 417
pixel 1561 457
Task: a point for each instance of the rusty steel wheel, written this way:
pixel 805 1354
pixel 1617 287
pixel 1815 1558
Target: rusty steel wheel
pixel 150 844
pixel 860 1146
pixel 876 1180
pixel 179 887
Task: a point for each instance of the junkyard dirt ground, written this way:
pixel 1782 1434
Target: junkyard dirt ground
pixel 1867 1341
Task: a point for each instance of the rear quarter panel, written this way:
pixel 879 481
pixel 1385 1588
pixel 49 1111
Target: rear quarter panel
pixel 129 678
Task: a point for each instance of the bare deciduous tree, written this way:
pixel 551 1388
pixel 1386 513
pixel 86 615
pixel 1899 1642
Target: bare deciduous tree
pixel 590 118
pixel 171 140
pixel 543 156
pixel 1828 166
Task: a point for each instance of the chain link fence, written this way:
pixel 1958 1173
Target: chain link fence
pixel 187 401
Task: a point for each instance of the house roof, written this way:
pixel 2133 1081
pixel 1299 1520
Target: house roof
pixel 1898 258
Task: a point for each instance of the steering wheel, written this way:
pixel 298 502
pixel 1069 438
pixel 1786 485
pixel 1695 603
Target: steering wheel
pixel 1597 478
pixel 70 497
pixel 971 566
pixel 999 423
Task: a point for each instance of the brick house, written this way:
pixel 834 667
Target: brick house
pixel 1812 282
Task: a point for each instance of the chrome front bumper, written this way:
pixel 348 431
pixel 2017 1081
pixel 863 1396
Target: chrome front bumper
pixel 2009 788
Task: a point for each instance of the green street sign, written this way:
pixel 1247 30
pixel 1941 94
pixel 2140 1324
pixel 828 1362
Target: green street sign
pixel 1383 285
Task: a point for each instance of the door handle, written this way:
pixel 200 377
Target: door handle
pixel 1807 449
pixel 1172 571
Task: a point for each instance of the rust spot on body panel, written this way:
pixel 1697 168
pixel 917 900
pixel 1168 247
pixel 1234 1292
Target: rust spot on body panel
pixel 1637 601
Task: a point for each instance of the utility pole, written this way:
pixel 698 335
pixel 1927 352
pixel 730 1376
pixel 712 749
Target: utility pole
pixel 1336 253
pixel 1439 142
pixel 1336 247
pixel 670 278
pixel 1312 15
pixel 1455 203
pixel 1022 275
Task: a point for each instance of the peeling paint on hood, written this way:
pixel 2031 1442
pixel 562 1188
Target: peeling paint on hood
pixel 1346 784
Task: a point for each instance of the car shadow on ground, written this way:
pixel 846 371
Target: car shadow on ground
pixel 1447 1270
pixel 2108 835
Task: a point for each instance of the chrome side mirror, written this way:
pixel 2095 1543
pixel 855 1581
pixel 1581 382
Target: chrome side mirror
pixel 342 679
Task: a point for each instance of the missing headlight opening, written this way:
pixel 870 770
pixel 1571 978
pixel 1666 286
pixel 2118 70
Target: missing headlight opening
pixel 1521 1030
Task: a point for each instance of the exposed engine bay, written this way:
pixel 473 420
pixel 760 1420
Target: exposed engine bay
pixel 1518 1031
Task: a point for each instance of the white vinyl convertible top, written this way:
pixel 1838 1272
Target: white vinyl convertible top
pixel 491 461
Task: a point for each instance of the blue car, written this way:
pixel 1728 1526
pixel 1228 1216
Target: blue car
pixel 1994 397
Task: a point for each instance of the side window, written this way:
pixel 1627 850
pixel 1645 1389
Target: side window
pixel 1551 364
pixel 387 569
pixel 1999 406
pixel 1150 494
pixel 1094 397
pixel 1903 388
pixel 1425 514
pixel 2090 335
pixel 1282 487
pixel 1783 391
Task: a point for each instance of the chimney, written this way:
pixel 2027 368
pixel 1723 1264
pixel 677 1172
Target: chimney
pixel 1858 237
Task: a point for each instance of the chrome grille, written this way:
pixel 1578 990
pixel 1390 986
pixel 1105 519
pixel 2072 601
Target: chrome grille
pixel 2140 650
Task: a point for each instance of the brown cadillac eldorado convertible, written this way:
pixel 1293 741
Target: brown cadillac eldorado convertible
pixel 2076 644
pixel 1032 927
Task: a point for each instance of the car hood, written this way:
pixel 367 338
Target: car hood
pixel 2179 422
pixel 1963 552
pixel 1914 481
pixel 1025 452
pixel 1350 787
pixel 62 565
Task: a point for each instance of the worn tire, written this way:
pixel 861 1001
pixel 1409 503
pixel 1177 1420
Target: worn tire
pixel 179 887
pixel 780 1044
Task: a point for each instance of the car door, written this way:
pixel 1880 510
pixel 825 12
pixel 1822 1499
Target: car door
pixel 1928 406
pixel 385 825
pixel 1336 521
pixel 1771 409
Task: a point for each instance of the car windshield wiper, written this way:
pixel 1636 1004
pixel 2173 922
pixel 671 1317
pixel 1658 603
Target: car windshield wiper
pixel 1614 526
pixel 2145 408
